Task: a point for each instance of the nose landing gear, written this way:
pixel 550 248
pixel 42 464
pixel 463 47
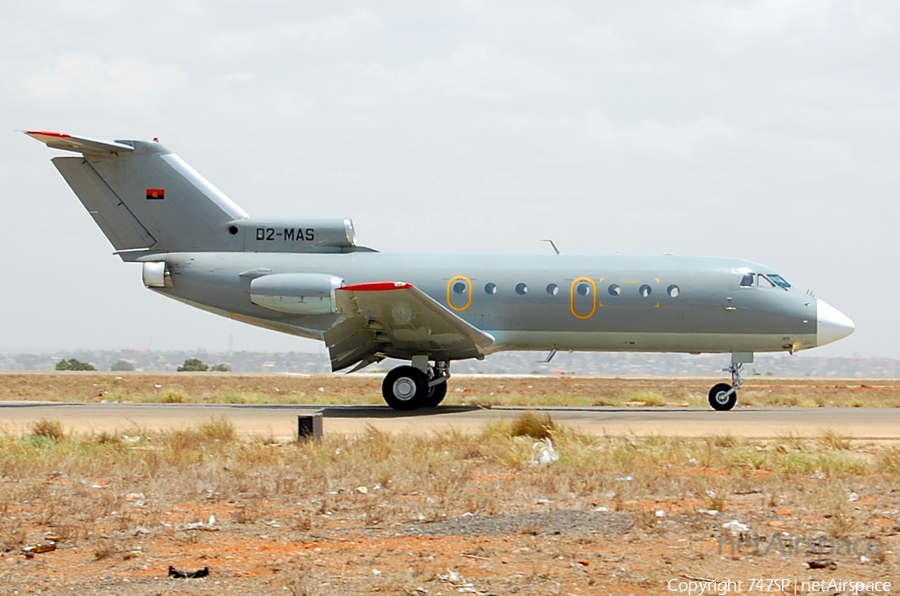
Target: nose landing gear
pixel 723 396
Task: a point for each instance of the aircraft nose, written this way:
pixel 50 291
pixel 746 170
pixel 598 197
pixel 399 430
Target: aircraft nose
pixel 831 324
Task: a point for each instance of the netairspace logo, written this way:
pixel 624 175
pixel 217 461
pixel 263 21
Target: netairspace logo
pixel 760 546
pixel 786 586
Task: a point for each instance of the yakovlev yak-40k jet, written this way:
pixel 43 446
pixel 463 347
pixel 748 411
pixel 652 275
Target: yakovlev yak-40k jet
pixel 309 277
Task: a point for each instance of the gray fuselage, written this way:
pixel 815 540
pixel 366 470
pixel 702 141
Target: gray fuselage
pixel 536 302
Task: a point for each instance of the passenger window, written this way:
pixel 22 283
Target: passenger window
pixel 614 290
pixel 583 289
pixel 490 288
pixel 521 289
pixel 460 287
pixel 553 289
pixel 645 290
pixel 673 291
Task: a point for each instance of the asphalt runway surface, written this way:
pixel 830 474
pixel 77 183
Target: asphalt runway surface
pixel 281 421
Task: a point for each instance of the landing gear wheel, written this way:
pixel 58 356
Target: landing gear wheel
pixel 435 395
pixel 720 399
pixel 405 388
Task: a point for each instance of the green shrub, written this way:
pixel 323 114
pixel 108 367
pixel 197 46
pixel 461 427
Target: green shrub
pixel 74 364
pixel 193 365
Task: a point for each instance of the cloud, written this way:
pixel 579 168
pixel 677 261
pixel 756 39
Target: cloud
pixel 510 121
pixel 736 26
pixel 601 128
pixel 770 16
pixel 683 140
pixel 279 39
pixel 690 139
pixel 92 84
pixel 481 72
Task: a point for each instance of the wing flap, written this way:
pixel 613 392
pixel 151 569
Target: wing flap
pixel 349 342
pixel 398 320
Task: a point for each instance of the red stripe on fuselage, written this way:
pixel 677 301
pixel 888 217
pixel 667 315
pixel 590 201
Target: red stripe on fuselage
pixel 377 286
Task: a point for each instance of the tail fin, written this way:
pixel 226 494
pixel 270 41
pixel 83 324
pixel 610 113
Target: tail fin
pixel 143 196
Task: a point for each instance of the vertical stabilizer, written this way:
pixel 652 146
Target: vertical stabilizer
pixel 143 196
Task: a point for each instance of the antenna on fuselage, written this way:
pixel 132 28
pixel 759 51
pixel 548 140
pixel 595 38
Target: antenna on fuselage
pixel 549 357
pixel 553 244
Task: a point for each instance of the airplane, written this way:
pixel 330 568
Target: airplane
pixel 310 278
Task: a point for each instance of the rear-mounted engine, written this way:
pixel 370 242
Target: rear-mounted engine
pixel 296 293
pixel 294 235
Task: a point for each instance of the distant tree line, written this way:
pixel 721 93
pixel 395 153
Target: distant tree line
pixel 190 365
pixel 197 365
pixel 74 364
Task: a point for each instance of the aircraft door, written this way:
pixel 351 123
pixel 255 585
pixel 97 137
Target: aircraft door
pixel 583 298
pixel 459 292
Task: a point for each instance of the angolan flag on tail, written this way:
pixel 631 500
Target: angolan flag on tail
pixel 156 193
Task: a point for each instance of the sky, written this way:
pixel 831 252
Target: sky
pixel 766 130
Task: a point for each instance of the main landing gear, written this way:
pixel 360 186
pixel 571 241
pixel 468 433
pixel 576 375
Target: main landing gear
pixel 723 396
pixel 418 386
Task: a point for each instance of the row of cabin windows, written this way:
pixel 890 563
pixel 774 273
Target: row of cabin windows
pixel 581 289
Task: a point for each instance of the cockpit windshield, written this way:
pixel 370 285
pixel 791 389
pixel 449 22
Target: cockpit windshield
pixel 761 280
pixel 779 281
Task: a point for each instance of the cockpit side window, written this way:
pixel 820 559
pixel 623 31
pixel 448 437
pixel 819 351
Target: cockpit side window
pixel 779 281
pixel 747 281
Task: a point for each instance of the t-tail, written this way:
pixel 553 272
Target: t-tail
pixel 147 200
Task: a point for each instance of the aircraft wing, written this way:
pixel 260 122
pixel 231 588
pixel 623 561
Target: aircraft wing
pixel 396 319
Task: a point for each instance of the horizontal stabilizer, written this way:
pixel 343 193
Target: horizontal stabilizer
pixel 58 140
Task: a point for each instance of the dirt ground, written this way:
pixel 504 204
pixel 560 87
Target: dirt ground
pixel 531 546
pixel 553 552
pixel 447 515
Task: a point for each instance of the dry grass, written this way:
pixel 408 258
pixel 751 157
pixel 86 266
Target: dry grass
pixel 471 390
pixel 83 487
pixel 220 467
pixel 218 429
pixel 534 425
pixel 889 461
pixel 48 429
pixel 832 439
pixel 648 398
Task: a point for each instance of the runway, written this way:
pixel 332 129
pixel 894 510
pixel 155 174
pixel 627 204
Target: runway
pixel 280 421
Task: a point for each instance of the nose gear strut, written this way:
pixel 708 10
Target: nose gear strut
pixel 723 396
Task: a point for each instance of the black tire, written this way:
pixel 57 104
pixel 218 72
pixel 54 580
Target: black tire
pixel 718 400
pixel 435 395
pixel 405 388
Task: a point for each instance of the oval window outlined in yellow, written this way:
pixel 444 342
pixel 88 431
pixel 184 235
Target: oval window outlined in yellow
pixel 467 291
pixel 572 291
